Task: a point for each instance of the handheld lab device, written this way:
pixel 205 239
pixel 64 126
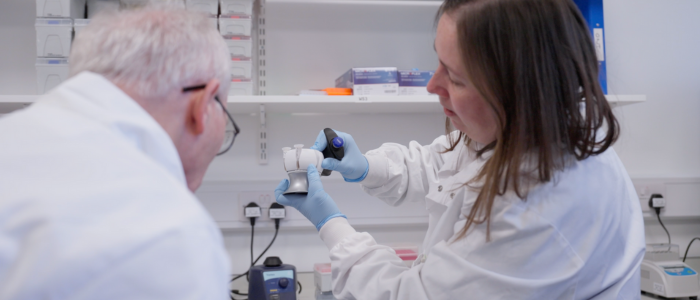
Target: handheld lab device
pixel 663 274
pixel 298 159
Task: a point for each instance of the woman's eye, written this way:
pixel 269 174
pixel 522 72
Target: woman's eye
pixel 456 83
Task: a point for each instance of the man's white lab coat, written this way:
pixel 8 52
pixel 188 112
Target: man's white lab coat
pixel 580 236
pixel 94 204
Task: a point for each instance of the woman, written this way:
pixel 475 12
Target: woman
pixel 526 199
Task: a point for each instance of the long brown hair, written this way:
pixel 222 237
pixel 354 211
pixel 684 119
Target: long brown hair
pixel 534 63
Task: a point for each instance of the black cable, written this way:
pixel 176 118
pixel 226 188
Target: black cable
pixel 261 254
pixel 688 248
pixel 252 234
pixel 299 283
pixel 658 216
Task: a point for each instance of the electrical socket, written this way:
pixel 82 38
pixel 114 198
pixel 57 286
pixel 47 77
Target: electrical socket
pixel 263 198
pixel 646 188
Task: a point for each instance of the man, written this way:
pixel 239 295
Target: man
pixel 96 178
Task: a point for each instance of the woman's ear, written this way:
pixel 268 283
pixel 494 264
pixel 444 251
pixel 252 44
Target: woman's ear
pixel 198 112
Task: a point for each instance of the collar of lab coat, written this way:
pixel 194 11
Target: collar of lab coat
pixel 96 98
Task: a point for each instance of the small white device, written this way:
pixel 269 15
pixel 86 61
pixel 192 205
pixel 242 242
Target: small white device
pixel 295 163
pixel 663 274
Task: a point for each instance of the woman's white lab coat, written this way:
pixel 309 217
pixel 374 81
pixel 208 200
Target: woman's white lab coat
pixel 580 236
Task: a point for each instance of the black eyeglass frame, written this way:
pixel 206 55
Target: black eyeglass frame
pixel 236 130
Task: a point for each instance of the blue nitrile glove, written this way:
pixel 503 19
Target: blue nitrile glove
pixel 353 166
pixel 317 205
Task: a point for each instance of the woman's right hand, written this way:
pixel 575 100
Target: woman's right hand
pixel 353 166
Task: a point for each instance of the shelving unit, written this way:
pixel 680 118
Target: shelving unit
pixel 322 104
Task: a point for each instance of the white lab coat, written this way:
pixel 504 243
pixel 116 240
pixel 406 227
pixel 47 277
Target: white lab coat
pixel 94 204
pixel 580 236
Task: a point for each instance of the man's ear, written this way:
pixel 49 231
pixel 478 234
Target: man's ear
pixel 199 104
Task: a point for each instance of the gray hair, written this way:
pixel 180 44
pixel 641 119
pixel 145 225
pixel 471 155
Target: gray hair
pixel 153 50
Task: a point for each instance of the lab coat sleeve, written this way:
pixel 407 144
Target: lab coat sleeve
pixel 516 264
pixel 398 173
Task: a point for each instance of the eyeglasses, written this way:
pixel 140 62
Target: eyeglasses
pixel 232 129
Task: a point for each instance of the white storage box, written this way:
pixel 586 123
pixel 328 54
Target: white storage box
pixel 236 7
pixel 239 47
pixel 242 68
pixel 235 25
pixel 53 37
pixel 206 6
pixel 79 24
pixel 322 277
pixel 95 7
pixel 50 72
pixel 240 88
pixel 129 4
pixel 60 8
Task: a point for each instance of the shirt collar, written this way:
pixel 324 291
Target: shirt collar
pixel 97 98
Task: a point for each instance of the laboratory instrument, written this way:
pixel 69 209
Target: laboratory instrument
pixel 296 161
pixel 663 274
pixel 272 281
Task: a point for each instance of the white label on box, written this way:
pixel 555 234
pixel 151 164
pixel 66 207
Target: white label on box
pixel 413 90
pixel 376 89
pixel 599 43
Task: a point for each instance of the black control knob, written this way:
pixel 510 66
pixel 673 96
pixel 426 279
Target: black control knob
pixel 272 261
pixel 284 282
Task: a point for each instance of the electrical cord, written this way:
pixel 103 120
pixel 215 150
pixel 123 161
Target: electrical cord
pixel 252 234
pixel 688 248
pixel 658 216
pixel 253 262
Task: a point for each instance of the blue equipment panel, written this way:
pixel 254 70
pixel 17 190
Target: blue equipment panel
pixel 592 11
pixel 679 271
pixel 272 283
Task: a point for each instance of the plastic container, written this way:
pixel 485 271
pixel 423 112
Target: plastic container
pixel 239 47
pixel 322 277
pixel 60 8
pixel 206 6
pixel 240 87
pixel 50 72
pixel 235 25
pixel 236 7
pixel 53 37
pixel 242 68
pixel 96 7
pixel 79 25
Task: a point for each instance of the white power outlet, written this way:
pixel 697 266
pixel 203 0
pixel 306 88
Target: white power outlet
pixel 263 198
pixel 646 188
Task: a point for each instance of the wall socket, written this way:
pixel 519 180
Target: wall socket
pixel 646 188
pixel 263 198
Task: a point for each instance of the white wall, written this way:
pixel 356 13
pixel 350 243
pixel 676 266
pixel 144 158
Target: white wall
pixel 652 48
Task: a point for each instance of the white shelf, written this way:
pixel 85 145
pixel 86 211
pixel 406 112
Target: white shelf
pixel 322 104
